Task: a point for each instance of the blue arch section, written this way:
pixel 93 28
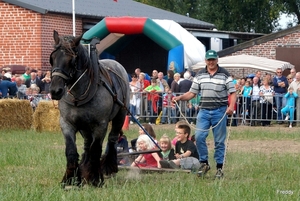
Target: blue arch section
pixel 175 59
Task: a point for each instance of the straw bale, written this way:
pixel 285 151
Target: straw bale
pixel 46 117
pixel 15 114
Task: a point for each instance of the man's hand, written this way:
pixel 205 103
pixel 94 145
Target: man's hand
pixel 176 99
pixel 229 111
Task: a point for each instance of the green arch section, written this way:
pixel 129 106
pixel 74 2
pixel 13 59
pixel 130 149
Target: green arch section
pixel 99 30
pixel 160 35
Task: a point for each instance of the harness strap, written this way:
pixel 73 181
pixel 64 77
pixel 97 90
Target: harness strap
pixel 114 95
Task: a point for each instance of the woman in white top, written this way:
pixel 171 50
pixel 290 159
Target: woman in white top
pixel 135 100
pixel 266 94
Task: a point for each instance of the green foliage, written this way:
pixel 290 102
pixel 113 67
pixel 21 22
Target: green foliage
pixel 32 165
pixel 259 16
pixel 183 7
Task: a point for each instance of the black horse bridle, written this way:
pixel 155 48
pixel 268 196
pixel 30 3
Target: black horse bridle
pixel 57 71
pixel 67 76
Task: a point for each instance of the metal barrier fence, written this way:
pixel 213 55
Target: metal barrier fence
pixel 149 107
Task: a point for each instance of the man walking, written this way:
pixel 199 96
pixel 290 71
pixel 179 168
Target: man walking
pixel 214 83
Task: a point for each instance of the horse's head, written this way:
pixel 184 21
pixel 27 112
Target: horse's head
pixel 64 62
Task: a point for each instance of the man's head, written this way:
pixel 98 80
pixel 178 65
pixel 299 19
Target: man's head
pixel 32 76
pixel 39 73
pixel 255 80
pixel 297 77
pixel 19 81
pixel 211 59
pixel 293 72
pixel 258 74
pixel 27 70
pixel 160 75
pixel 154 73
pixel 187 75
pixel 211 54
pixel 278 72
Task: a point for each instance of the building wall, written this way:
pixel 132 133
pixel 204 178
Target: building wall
pixel 268 50
pixel 63 24
pixel 20 38
pixel 27 36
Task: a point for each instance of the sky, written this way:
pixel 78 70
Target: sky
pixel 284 19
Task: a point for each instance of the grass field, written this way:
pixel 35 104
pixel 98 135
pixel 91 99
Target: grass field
pixel 261 164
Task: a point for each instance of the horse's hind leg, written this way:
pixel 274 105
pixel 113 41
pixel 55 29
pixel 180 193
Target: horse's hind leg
pixel 72 175
pixel 109 162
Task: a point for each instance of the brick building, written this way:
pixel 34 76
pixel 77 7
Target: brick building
pixel 27 27
pixel 27 35
pixel 283 45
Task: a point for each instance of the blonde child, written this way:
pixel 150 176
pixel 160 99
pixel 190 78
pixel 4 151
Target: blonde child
pixel 150 160
pixel 149 130
pixel 167 152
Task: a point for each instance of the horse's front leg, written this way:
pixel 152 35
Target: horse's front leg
pixel 72 175
pixel 109 162
pixel 90 163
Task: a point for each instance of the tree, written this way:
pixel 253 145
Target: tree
pixel 240 15
pixel 259 16
pixel 183 7
pixel 290 7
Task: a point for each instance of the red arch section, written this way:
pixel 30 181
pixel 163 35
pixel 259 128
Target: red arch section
pixel 128 25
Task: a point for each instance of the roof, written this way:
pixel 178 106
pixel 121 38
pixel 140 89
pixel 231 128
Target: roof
pixel 249 61
pixel 258 41
pixel 108 8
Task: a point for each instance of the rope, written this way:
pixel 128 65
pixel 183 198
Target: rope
pixel 228 133
pixel 192 126
pixel 77 80
pixel 227 141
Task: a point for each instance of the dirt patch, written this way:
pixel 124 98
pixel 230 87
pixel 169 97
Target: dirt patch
pixel 264 146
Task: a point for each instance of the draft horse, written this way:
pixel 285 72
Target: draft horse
pixel 91 93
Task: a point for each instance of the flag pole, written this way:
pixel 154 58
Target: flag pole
pixel 73 17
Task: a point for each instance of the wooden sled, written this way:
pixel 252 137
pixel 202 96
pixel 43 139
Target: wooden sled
pixel 145 170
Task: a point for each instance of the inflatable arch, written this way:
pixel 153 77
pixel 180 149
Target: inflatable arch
pixel 125 27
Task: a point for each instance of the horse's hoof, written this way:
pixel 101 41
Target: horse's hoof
pixel 108 176
pixel 70 187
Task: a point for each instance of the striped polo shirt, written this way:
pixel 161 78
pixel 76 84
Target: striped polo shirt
pixel 214 89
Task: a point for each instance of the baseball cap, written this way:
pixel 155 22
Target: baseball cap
pixel 211 54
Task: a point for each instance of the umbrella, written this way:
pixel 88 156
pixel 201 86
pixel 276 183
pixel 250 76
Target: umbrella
pixel 251 76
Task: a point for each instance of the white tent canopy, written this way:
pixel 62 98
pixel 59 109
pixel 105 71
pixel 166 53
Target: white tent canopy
pixel 248 61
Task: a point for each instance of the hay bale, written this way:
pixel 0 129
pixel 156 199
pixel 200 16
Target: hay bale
pixel 46 117
pixel 15 114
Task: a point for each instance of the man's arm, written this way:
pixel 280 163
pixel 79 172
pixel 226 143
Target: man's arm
pixel 184 97
pixel 232 102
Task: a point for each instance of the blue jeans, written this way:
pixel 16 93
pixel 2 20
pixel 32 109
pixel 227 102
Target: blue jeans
pixel 132 111
pixel 172 116
pixel 280 100
pixel 206 119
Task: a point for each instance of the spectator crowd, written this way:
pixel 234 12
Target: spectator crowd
pixel 32 85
